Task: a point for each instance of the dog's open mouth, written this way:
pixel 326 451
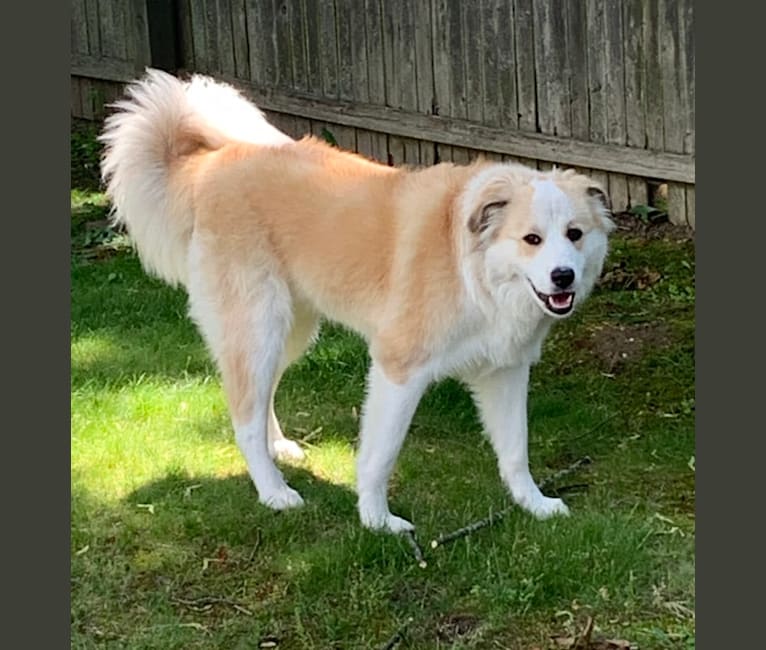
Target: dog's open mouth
pixel 560 303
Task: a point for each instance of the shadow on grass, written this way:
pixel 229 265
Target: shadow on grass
pixel 200 557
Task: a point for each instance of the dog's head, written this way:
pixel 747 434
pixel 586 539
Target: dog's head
pixel 547 230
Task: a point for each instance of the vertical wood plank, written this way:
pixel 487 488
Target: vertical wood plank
pixel 677 203
pixel 282 46
pixel 186 35
pixel 401 92
pixel 490 45
pixel 637 191
pixel 474 55
pixel 424 73
pixel 79 29
pixel 94 36
pixel 302 127
pixel 635 74
pixel 576 49
pixel 458 88
pixel 360 88
pixel 346 136
pixel 297 22
pixel 690 207
pixel 199 34
pixel 86 98
pixel 553 111
pixel 596 71
pixel 615 97
pixel 313 38
pixel 525 65
pixel 601 177
pixel 75 97
pixel 674 108
pixel 239 39
pixel 110 40
pixel 653 77
pixel 461 155
pixel 328 52
pixel 396 151
pixel 686 55
pixel 225 37
pixel 137 46
pixel 376 75
pixel 440 40
pixel 213 62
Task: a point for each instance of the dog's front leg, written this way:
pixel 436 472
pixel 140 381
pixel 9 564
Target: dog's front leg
pixel 388 411
pixel 502 401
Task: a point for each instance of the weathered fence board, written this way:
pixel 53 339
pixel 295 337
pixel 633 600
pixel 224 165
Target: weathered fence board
pixel 606 86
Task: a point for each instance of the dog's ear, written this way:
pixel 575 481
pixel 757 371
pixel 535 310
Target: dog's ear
pixel 599 194
pixel 605 206
pixel 483 217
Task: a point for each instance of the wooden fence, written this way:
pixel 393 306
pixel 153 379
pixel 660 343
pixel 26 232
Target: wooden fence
pixel 606 86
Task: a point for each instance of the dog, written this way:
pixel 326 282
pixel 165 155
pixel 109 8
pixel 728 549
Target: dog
pixel 445 270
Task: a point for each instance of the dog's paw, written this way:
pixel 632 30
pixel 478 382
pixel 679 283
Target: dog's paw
pixel 546 507
pixel 385 521
pixel 282 498
pixel 285 449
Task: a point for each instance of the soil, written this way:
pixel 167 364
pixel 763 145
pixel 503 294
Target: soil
pixel 615 345
pixel 452 627
pixel 631 226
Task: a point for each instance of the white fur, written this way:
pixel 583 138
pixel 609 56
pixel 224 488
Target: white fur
pixel 386 416
pixel 139 139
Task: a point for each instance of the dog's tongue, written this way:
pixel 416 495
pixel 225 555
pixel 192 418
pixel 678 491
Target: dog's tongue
pixel 561 299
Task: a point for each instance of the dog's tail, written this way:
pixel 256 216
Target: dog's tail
pixel 162 122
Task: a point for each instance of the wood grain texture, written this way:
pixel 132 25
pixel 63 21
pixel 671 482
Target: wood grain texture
pixel 523 23
pixel 602 85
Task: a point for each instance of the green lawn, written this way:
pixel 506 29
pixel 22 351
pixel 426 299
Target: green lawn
pixel 171 549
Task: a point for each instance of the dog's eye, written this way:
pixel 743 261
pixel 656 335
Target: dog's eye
pixel 532 239
pixel 573 234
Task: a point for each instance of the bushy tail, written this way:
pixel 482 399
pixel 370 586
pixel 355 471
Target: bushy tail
pixel 162 121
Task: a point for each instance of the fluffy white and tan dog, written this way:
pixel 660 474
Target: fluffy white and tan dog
pixel 445 271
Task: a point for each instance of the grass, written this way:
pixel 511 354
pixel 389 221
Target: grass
pixel 170 548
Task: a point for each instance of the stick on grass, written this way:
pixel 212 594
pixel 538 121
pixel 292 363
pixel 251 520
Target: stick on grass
pixel 416 550
pixel 496 516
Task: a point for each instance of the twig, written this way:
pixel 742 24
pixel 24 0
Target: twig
pixel 608 418
pixel 572 487
pixel 257 545
pixel 397 636
pixel 495 516
pixel 205 602
pixel 311 435
pixel 416 550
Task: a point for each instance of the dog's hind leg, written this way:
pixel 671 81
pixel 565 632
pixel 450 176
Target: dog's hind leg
pixel 388 411
pixel 502 401
pixel 303 332
pixel 245 316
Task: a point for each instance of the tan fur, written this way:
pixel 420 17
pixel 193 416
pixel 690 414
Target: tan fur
pixel 352 237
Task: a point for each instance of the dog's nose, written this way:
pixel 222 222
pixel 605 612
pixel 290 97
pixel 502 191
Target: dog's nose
pixel 562 277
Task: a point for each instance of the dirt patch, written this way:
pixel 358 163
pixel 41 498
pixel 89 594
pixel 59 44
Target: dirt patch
pixel 456 626
pixel 630 225
pixel 615 346
pixel 618 277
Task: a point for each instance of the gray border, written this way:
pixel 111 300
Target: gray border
pixel 35 237
pixel 729 440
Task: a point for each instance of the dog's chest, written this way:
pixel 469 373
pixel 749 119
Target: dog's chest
pixel 494 343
